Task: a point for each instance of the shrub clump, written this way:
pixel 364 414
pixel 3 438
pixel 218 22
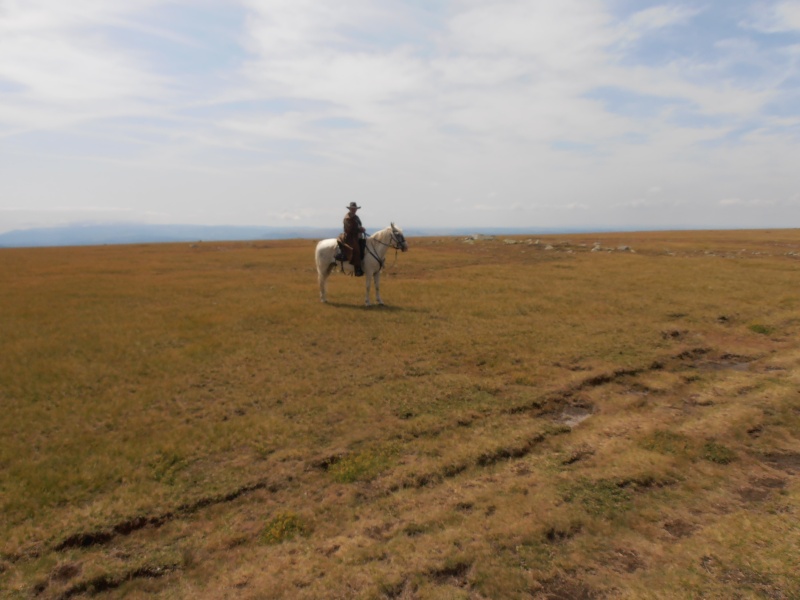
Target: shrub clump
pixel 283 527
pixel 717 453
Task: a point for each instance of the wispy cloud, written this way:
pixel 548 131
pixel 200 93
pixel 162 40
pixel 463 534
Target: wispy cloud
pixel 64 68
pixel 777 17
pixel 229 111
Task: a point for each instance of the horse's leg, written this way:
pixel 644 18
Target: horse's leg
pixel 322 277
pixel 323 273
pixel 368 281
pixel 377 277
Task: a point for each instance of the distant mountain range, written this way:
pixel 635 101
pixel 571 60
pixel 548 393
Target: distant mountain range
pixel 98 235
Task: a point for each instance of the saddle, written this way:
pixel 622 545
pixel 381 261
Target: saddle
pixel 343 250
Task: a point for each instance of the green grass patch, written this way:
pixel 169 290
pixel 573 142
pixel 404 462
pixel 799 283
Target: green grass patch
pixel 601 498
pixel 761 329
pixel 283 527
pixel 667 442
pixel 361 466
pixel 718 453
pixel 166 467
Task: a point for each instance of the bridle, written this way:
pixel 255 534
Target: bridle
pixel 396 241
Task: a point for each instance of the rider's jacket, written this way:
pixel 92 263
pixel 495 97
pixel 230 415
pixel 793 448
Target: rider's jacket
pixel 352 229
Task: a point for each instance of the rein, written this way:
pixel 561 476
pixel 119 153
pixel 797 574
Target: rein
pixel 390 245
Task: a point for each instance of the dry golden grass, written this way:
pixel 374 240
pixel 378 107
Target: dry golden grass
pixel 527 420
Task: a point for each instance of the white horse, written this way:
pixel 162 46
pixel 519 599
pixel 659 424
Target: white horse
pixel 378 245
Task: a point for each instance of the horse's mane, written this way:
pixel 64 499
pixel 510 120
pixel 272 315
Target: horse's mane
pixel 386 232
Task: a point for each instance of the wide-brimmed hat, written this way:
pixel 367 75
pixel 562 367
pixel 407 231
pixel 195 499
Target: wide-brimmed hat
pixel 353 205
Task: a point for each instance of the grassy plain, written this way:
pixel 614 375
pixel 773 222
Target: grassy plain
pixel 552 419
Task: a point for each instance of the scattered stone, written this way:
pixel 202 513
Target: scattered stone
pixel 548 247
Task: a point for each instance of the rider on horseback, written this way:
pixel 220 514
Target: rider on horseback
pixel 350 239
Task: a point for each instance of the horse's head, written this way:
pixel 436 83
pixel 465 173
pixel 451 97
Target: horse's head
pixel 398 238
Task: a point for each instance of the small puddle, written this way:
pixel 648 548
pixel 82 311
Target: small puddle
pixel 573 416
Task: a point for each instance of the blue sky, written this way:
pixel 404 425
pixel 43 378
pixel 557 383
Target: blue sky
pixel 469 113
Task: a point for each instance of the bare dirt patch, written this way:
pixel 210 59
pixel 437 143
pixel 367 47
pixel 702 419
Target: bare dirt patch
pixel 66 571
pixel 680 529
pixel 556 535
pixel 578 454
pixel 561 588
pixel 455 574
pixel 751 494
pixel 789 461
pixel 761 489
pixel 770 483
